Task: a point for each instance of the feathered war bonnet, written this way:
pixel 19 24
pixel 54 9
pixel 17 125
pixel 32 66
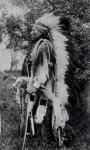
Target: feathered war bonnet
pixel 54 25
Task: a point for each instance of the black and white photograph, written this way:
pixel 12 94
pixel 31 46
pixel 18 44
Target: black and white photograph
pixel 44 74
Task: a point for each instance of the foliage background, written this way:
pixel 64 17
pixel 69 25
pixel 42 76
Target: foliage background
pixel 16 30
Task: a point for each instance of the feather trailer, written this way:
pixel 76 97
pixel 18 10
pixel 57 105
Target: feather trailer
pixel 58 40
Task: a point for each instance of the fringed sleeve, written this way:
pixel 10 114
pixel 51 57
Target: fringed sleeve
pixel 40 66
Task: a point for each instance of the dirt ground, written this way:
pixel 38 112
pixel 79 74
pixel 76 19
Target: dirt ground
pixel 10 115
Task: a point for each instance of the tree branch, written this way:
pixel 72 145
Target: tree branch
pixel 51 3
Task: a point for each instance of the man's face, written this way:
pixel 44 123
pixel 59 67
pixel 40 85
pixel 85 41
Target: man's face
pixel 35 33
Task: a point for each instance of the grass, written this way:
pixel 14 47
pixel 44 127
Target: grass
pixel 10 114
